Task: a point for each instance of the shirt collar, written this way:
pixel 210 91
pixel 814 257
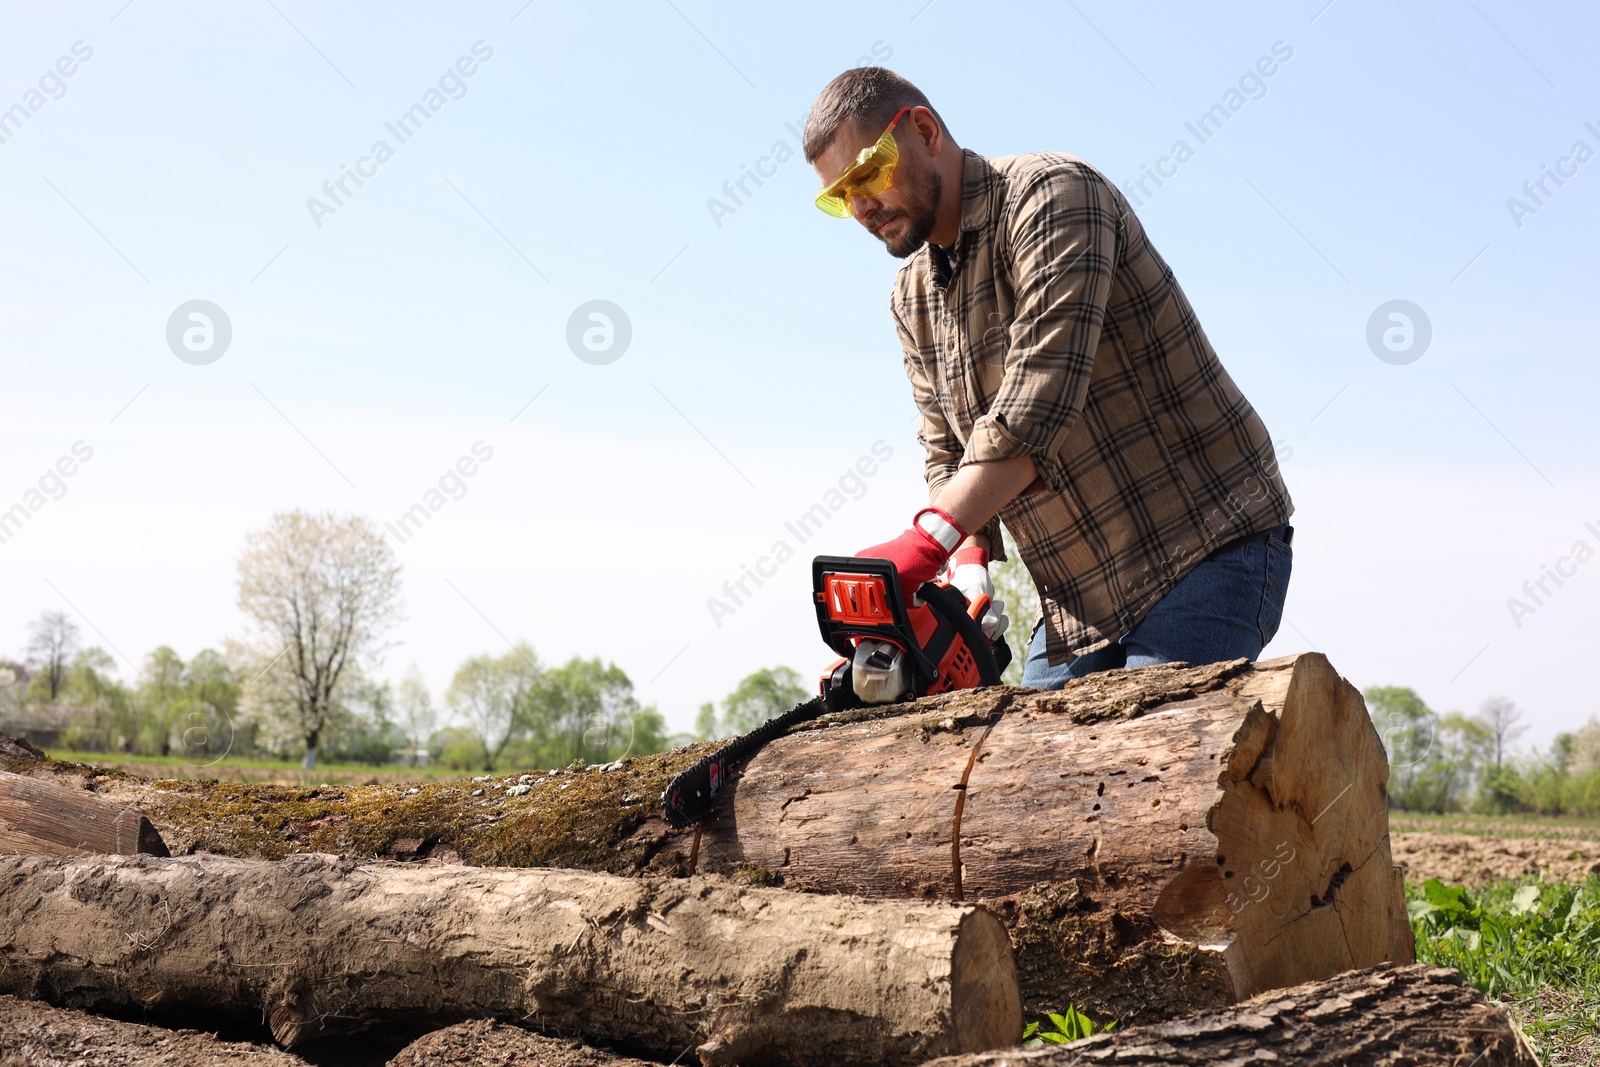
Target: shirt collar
pixel 980 184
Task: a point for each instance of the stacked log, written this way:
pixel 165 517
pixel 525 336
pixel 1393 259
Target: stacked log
pixel 884 886
pixel 318 946
pixel 1159 841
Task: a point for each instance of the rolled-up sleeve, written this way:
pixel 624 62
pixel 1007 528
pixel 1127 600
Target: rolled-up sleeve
pixel 1062 241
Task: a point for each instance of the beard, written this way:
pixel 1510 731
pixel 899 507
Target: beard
pixel 920 214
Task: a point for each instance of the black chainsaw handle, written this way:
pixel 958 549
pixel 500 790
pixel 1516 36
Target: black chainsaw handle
pixel 950 605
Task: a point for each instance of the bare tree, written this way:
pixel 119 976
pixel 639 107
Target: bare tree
pixel 417 714
pixel 1502 718
pixel 54 640
pixel 322 592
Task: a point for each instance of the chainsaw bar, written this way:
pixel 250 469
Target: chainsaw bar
pixel 692 792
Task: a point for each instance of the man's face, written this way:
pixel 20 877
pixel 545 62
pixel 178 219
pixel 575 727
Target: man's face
pixel 904 214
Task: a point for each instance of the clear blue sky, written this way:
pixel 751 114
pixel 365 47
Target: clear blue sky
pixel 374 345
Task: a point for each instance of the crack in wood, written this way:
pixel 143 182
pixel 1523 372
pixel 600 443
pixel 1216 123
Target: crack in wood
pixel 995 715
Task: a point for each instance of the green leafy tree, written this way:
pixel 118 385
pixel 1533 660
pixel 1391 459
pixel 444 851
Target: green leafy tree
pixel 212 680
pixel 769 692
pixel 1434 760
pixel 162 690
pixel 1447 775
pixel 587 709
pixel 13 692
pixel 493 697
pixel 1409 730
pixel 108 715
pixel 370 734
pixel 1544 778
pixel 705 723
pixel 203 723
pixel 456 747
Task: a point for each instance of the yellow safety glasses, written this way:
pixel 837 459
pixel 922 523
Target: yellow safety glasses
pixel 869 175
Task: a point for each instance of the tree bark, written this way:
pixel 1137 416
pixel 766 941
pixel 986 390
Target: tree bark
pixel 42 1036
pixel 1158 840
pixel 1384 1017
pixel 317 946
pixel 41 818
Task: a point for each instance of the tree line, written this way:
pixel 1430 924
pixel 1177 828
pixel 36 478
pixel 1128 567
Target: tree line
pixel 1455 762
pixel 320 593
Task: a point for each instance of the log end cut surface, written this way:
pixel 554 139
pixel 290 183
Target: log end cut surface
pixel 1303 882
pixel 985 1000
pixel 43 818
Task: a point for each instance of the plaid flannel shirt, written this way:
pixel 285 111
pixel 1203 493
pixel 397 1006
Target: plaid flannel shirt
pixel 1056 331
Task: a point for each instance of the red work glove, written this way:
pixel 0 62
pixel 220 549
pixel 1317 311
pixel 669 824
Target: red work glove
pixel 918 553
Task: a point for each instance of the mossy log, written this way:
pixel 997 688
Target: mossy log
pixel 1158 841
pixel 1387 1016
pixel 318 945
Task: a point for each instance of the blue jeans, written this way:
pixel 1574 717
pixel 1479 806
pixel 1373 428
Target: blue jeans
pixel 1229 606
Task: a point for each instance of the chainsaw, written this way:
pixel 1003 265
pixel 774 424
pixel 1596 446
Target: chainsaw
pixel 889 651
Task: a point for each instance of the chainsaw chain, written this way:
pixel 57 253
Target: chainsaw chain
pixel 692 792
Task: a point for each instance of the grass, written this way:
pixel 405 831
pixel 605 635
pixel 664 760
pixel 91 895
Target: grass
pixel 1473 824
pixel 1061 1029
pixel 1530 944
pixel 248 769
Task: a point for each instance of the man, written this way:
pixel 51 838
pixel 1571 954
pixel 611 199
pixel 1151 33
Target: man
pixel 1065 387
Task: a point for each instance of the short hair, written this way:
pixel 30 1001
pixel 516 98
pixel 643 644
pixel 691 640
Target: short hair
pixel 866 96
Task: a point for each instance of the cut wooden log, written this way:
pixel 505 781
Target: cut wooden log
pixel 317 945
pixel 1387 1016
pixel 39 1035
pixel 41 818
pixel 1159 840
